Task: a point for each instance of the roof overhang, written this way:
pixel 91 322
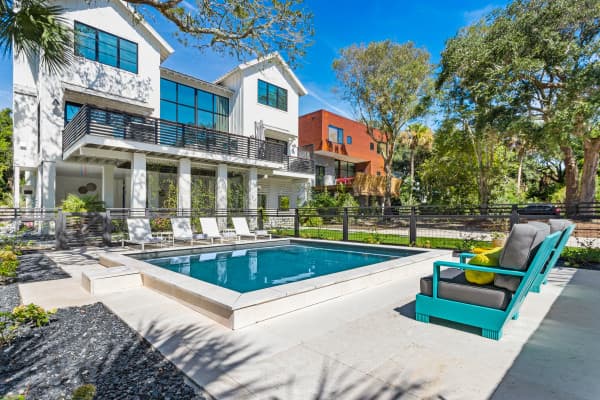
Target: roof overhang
pixel 194 82
pixel 275 58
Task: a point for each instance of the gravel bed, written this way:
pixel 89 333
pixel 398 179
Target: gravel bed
pixel 36 267
pixel 88 344
pixel 9 297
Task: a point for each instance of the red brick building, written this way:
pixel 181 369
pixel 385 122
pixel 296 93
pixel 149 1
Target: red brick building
pixel 342 147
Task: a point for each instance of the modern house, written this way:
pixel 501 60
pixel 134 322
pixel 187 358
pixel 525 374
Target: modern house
pixel 117 124
pixel 342 151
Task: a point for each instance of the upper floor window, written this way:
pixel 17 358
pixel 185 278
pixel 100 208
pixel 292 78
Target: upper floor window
pixel 70 110
pixel 348 139
pixel 271 95
pixel 372 146
pixel 188 105
pixel 335 134
pixel 106 48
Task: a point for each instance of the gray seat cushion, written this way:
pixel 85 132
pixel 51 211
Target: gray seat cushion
pixel 459 289
pixel 519 250
pixel 559 224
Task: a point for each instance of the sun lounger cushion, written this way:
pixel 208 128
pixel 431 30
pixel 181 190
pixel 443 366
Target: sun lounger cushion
pixel 559 224
pixel 519 250
pixel 459 289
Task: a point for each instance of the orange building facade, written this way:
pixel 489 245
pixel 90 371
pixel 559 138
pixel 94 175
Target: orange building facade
pixel 341 146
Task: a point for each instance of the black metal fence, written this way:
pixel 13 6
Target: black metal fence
pixel 457 228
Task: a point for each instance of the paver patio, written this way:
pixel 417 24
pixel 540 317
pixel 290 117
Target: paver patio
pixel 367 344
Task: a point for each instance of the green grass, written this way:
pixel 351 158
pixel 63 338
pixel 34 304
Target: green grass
pixel 386 238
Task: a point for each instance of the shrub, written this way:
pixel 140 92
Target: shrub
pixel 85 203
pixel 8 269
pixel 31 314
pixel 581 256
pixel 8 255
pixel 13 397
pixel 84 392
pixel 313 221
pixel 160 224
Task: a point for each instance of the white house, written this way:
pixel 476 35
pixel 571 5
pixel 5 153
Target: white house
pixel 138 135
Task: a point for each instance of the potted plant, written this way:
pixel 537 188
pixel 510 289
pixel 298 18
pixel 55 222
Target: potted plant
pixel 498 239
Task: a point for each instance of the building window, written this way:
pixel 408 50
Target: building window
pixel 319 175
pixel 344 169
pixel 70 110
pixel 188 105
pixel 97 45
pixel 271 95
pixel 335 134
pixel 372 146
pixel 378 173
pixel 348 139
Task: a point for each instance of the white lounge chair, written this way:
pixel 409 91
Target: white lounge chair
pixel 211 229
pixel 242 230
pixel 140 232
pixel 182 230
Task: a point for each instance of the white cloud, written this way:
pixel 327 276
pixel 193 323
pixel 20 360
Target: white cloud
pixel 475 15
pixel 329 104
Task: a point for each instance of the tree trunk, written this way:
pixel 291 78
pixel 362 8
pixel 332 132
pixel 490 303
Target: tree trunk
pixel 591 152
pixel 571 179
pixel 520 172
pixel 412 175
pixel 387 199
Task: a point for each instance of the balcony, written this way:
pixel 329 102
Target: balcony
pixel 109 124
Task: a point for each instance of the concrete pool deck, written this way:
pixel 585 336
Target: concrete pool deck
pixel 367 344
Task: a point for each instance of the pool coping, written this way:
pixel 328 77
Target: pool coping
pixel 236 310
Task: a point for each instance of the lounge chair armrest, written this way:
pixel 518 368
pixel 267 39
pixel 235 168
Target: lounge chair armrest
pixel 438 264
pixel 482 268
pixel 464 256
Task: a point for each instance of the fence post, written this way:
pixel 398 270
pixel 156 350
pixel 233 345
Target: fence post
pixel 345 225
pixel 60 225
pixel 296 223
pixel 107 229
pixel 514 215
pixel 412 226
pixel 260 222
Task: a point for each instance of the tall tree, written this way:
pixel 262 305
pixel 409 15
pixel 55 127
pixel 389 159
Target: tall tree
pixel 6 129
pixel 417 138
pixel 387 84
pixel 35 29
pixel 238 27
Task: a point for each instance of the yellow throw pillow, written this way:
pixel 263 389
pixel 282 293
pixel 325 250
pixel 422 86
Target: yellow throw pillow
pixel 489 258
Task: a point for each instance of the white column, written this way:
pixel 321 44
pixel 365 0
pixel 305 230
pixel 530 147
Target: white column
pixel 38 187
pixel 221 200
pixel 138 181
pixel 108 185
pixel 184 184
pixel 28 187
pixel 252 194
pixel 16 187
pixel 48 184
pixel 221 187
pixel 127 189
pixel 252 189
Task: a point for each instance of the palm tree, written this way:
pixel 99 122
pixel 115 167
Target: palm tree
pixel 34 28
pixel 418 137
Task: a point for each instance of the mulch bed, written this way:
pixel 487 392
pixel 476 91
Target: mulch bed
pixel 80 345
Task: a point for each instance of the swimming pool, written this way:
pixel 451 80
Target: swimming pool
pixel 245 270
pixel 240 284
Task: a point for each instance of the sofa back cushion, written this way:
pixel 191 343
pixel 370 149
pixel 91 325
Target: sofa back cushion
pixel 559 224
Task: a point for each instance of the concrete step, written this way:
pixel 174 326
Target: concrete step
pixel 109 280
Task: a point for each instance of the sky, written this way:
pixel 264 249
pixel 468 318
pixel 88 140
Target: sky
pixel 337 24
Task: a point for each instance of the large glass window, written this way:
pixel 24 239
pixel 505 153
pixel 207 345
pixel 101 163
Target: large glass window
pixel 344 169
pixel 106 48
pixel 335 134
pixel 188 105
pixel 271 95
pixel 319 175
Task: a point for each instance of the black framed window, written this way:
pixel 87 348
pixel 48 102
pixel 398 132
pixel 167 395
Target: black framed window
pixel 271 95
pixel 70 110
pixel 344 169
pixel 319 175
pixel 188 105
pixel 106 48
pixel 372 146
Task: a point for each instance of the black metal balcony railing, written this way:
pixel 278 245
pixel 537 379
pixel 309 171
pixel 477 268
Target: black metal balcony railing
pixel 118 125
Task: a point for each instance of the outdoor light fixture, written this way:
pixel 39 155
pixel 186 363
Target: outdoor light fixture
pixel 265 176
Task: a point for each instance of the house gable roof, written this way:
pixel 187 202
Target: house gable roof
pixel 300 89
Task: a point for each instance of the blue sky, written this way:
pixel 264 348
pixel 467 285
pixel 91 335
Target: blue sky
pixel 337 24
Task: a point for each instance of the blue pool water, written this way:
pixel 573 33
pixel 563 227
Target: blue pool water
pixel 258 268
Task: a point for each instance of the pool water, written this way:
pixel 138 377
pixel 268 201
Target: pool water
pixel 258 268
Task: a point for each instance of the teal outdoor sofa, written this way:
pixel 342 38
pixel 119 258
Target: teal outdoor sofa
pixel 542 278
pixel 489 307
